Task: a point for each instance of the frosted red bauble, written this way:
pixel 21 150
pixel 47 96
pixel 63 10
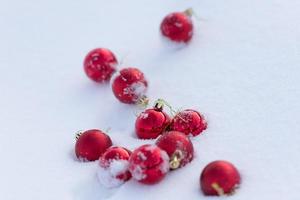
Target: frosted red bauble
pixel 219 178
pixel 151 123
pixel 129 85
pixel 178 146
pixel 113 167
pixel 91 144
pixel 100 64
pixel 190 122
pixel 177 27
pixel 148 164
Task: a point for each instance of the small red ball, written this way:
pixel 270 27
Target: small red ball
pixel 189 122
pixel 91 145
pixel 129 85
pixel 149 164
pixel 151 123
pixel 178 146
pixel 219 178
pixel 113 165
pixel 177 26
pixel 100 64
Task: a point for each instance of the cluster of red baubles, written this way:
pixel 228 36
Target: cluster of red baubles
pixel 173 148
pixel 130 85
pixel 149 164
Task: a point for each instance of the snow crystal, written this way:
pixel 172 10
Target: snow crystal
pixel 165 167
pixel 138 88
pixel 108 176
pixel 138 173
pixel 144 115
pixel 118 167
pixel 178 24
pixel 142 156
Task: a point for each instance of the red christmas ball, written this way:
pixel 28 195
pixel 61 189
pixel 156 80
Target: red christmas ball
pixel 113 167
pixel 177 26
pixel 91 144
pixel 149 164
pixel 129 85
pixel 178 146
pixel 219 178
pixel 189 122
pixel 151 123
pixel 100 64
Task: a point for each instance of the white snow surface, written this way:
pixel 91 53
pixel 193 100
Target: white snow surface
pixel 241 70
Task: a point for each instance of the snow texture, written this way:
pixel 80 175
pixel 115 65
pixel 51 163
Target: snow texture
pixel 164 168
pixel 108 176
pixel 241 70
pixel 138 173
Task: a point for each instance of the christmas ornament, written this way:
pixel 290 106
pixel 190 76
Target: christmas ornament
pixel 178 26
pixel 219 178
pixel 178 146
pixel 113 167
pixel 100 64
pixel 130 85
pixel 189 122
pixel 149 164
pixel 91 144
pixel 151 123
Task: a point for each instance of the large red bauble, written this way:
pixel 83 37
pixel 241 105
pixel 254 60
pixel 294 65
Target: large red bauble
pixel 189 122
pixel 219 178
pixel 177 26
pixel 178 146
pixel 151 123
pixel 149 164
pixel 100 64
pixel 129 85
pixel 113 165
pixel 91 144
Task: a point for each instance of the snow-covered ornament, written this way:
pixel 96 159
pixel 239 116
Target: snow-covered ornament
pixel 91 144
pixel 130 86
pixel 113 167
pixel 100 64
pixel 148 164
pixel 178 26
pixel 178 146
pixel 219 178
pixel 189 122
pixel 151 123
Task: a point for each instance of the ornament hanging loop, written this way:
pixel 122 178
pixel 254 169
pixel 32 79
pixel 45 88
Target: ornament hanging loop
pixel 143 101
pixel 161 103
pixel 218 189
pixel 176 159
pixel 78 134
pixel 189 12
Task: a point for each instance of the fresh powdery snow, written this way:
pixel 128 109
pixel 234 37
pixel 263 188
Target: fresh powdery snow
pixel 108 176
pixel 241 70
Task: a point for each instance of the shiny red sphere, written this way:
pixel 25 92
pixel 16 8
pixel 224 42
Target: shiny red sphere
pixel 177 26
pixel 178 146
pixel 116 154
pixel 148 164
pixel 189 122
pixel 92 144
pixel 130 85
pixel 219 178
pixel 151 123
pixel 100 64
